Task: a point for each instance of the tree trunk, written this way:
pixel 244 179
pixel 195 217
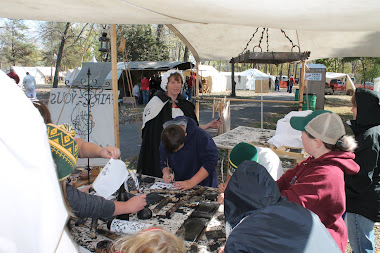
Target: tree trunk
pixel 186 54
pixel 59 56
pixel 289 66
pixel 160 29
pixel 342 65
pixel 364 75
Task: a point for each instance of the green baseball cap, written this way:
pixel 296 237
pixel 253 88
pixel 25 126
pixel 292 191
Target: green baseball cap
pixel 242 152
pixel 299 123
pixel 323 125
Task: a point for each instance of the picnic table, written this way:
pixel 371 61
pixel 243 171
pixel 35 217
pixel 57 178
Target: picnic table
pixel 257 137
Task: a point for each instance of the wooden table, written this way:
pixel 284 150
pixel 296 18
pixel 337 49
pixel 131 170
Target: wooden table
pixel 258 137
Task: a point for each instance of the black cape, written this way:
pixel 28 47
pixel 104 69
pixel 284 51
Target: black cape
pixel 149 158
pixel 363 189
pixel 264 221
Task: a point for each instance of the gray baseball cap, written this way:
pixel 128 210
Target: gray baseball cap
pixel 179 121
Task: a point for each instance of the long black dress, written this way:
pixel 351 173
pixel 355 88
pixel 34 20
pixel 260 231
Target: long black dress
pixel 149 158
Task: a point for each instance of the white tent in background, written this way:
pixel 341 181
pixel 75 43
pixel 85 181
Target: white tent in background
pixel 33 71
pixel 240 79
pixel 71 74
pixel 215 81
pixel 49 73
pixel 376 84
pixel 349 83
pixel 246 80
pixel 254 75
pixel 93 59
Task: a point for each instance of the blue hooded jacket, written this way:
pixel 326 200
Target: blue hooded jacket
pixel 264 221
pixel 199 150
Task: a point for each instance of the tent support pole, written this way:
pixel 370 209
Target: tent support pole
pixel 114 85
pixel 233 85
pixel 302 85
pixel 196 86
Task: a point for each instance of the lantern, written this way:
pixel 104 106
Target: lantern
pixel 104 43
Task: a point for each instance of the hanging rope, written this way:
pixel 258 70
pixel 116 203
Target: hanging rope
pixel 293 45
pixel 250 41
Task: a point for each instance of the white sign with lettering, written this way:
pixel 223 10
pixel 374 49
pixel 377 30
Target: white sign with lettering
pixel 314 76
pixel 99 124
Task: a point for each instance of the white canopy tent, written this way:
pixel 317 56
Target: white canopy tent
pixel 220 29
pixel 71 74
pixel 376 84
pixel 349 83
pixel 215 80
pixel 33 71
pixel 254 75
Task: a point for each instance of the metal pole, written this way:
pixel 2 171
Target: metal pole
pixel 262 104
pixel 88 120
pixel 233 93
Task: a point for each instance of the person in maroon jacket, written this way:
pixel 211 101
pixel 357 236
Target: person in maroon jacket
pixel 317 183
pixel 145 89
pixel 12 74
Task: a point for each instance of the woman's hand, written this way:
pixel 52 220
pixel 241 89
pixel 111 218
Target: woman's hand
pixel 136 203
pixel 110 152
pixel 215 123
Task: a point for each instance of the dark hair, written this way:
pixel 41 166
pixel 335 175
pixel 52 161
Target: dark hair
pixel 172 137
pixel 44 110
pixel 345 143
pixel 176 76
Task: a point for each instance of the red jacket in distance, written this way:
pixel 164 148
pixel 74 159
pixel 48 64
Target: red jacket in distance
pixel 318 185
pixel 14 76
pixel 192 81
pixel 144 84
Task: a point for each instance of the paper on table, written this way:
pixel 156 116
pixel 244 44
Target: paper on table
pixel 160 185
pixel 110 178
pixel 128 227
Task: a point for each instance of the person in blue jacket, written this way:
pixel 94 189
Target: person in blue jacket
pixel 259 219
pixel 188 154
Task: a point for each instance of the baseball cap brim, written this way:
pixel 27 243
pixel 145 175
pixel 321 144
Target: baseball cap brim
pixel 299 123
pixel 179 121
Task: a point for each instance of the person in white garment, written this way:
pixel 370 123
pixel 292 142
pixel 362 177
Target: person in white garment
pixel 245 151
pixel 30 85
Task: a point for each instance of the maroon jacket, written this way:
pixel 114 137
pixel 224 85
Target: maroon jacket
pixel 318 185
pixel 144 84
pixel 14 76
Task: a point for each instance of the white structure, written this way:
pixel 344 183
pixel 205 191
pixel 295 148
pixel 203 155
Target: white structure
pixel 215 80
pixel 33 71
pixel 71 74
pixel 240 79
pixel 376 84
pixel 348 81
pixel 49 72
pixel 246 80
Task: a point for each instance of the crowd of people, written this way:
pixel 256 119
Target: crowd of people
pixel 330 197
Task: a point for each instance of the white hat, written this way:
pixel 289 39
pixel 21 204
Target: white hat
pixel 166 75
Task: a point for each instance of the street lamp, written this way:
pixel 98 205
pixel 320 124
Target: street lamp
pixel 104 43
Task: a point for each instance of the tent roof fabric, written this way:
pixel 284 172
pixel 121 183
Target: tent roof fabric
pixel 220 29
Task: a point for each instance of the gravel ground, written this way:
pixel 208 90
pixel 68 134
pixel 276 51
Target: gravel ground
pixel 127 115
